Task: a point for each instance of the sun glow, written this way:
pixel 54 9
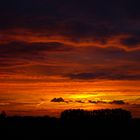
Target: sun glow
pixel 81 96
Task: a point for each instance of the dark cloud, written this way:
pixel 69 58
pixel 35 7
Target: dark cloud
pixel 102 74
pixel 83 76
pixel 24 53
pixel 79 101
pixel 97 102
pixel 24 48
pixel 113 53
pixel 119 102
pixel 90 101
pixel 28 56
pixel 75 19
pixel 58 100
pixel 131 41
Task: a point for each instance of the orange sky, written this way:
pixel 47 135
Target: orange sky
pixel 35 69
pixel 35 98
pixel 85 52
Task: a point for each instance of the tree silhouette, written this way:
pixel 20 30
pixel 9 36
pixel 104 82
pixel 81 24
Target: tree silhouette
pixel 3 115
pixel 104 114
pixel 76 123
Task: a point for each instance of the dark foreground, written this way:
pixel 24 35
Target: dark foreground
pixel 73 124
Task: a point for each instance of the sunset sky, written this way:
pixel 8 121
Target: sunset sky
pixel 61 54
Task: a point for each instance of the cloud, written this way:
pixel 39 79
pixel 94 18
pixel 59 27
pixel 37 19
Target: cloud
pixel 79 101
pixel 133 41
pixel 83 76
pixel 27 48
pixel 14 54
pixel 73 19
pixel 15 104
pixel 26 57
pixel 90 101
pixel 97 102
pixel 58 100
pixel 119 102
pixel 79 40
pixel 109 74
pixel 4 104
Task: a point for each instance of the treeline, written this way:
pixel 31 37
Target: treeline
pixel 98 115
pixel 72 123
pixel 78 114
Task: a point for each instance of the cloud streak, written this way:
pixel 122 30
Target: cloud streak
pixel 109 75
pixel 116 102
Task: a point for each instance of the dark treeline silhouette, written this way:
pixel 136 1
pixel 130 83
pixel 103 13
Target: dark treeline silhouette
pixel 98 115
pixel 74 124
